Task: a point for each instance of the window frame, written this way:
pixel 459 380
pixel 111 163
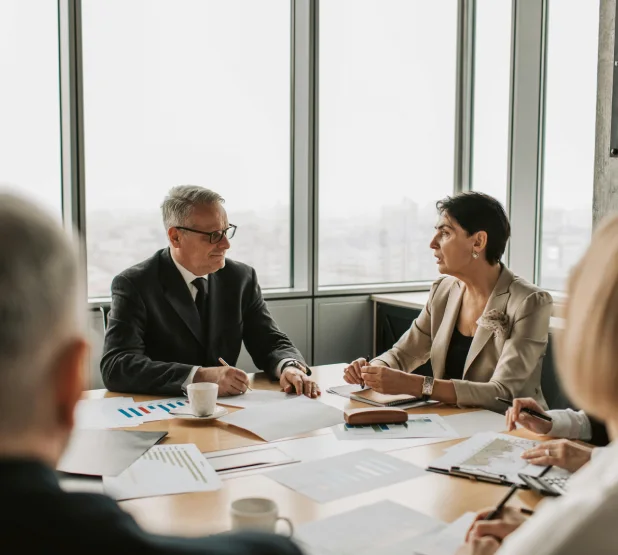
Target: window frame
pixel 525 157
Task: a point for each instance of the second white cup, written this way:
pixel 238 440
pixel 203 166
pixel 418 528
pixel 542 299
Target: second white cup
pixel 202 398
pixel 257 513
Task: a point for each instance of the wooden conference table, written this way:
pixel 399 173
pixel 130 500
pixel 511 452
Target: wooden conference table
pixel 194 514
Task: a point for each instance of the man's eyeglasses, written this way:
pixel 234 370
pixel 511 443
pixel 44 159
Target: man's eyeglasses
pixel 214 236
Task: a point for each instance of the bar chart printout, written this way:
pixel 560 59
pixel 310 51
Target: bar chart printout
pixel 164 470
pixel 149 411
pixel 344 475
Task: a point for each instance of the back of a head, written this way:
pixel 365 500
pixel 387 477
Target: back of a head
pixel 588 347
pixel 38 305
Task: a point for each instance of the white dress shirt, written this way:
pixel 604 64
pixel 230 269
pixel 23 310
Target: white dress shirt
pixel 189 277
pixel 570 424
pixel 582 521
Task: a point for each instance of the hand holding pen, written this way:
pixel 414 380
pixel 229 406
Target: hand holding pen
pixel 499 521
pixel 528 413
pixel 240 380
pixel 352 372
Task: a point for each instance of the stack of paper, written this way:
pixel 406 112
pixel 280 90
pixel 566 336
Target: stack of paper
pixel 255 398
pixel 164 470
pixel 105 452
pixel 383 527
pixel 285 418
pixel 336 477
pixel 467 424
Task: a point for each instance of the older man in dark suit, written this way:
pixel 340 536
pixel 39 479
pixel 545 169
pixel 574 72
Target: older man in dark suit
pixel 42 354
pixel 176 314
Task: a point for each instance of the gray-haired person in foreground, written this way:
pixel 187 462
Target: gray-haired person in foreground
pixel 175 315
pixel 42 352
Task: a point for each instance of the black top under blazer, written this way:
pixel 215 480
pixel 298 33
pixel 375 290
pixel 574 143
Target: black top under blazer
pixel 154 335
pixel 40 518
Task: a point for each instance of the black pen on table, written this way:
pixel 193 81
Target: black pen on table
pixel 502 503
pixel 526 410
pixel 226 364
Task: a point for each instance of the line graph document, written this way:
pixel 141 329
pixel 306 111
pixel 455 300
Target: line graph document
pixel 164 470
pixel 492 455
pixel 337 477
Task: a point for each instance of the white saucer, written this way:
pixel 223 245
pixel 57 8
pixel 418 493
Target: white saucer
pixel 219 411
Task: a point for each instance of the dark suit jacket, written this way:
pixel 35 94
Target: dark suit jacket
pixel 39 517
pixel 154 335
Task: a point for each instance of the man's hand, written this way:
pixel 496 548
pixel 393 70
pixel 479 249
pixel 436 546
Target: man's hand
pixel 295 380
pixel 231 381
pixel 384 380
pixel 352 372
pixel 536 425
pixel 559 452
pixel 510 520
pixel 479 546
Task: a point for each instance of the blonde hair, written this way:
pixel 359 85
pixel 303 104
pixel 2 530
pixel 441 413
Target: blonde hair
pixel 588 347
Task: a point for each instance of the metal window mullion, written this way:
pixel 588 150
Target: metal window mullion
pixel 71 122
pixel 302 144
pixel 525 164
pixel 464 96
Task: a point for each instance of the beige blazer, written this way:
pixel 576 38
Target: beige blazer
pixel 498 365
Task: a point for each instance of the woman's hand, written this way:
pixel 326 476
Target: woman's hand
pixel 510 520
pixel 479 546
pixel 559 452
pixel 536 425
pixel 352 372
pixel 385 380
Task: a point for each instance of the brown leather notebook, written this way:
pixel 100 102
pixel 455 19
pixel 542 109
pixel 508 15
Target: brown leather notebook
pixel 381 399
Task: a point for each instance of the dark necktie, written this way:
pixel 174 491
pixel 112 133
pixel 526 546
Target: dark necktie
pixel 201 300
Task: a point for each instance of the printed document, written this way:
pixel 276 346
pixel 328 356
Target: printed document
pixel 164 470
pixel 337 477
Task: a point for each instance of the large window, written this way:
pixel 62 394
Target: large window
pixel 387 96
pixel 570 110
pixel 30 101
pixel 186 92
pixel 492 82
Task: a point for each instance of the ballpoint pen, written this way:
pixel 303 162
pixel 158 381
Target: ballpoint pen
pixel 526 410
pixel 367 359
pixel 502 503
pixel 226 364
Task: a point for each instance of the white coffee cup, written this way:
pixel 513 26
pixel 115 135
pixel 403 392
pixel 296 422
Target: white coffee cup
pixel 202 398
pixel 257 513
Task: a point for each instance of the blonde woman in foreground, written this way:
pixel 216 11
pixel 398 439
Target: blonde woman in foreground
pixel 584 520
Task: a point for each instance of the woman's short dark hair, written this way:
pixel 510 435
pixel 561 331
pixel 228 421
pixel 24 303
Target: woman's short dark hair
pixel 479 212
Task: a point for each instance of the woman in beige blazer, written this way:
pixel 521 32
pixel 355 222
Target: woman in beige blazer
pixel 484 329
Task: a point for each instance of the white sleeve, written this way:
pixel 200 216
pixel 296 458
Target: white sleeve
pixel 190 377
pixel 570 424
pixel 281 363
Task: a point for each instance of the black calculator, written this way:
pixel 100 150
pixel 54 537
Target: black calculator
pixel 547 485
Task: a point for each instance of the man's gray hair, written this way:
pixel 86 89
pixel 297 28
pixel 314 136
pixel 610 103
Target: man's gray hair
pixel 38 304
pixel 181 200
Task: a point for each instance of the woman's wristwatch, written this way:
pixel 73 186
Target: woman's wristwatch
pixel 296 364
pixel 427 388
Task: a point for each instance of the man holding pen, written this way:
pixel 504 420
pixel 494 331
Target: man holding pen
pixel 177 315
